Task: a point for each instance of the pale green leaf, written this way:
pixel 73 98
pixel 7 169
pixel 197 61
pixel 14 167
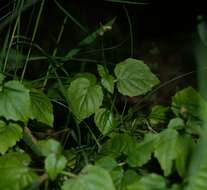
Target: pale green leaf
pixel 134 77
pixel 14 101
pixel 49 146
pixel 176 123
pixel 91 178
pixel 41 108
pixel 54 164
pixel 108 83
pixel 165 149
pixel 9 135
pixel 105 120
pixel 15 173
pixel 85 97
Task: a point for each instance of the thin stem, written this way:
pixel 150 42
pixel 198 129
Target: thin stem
pixel 69 174
pixel 55 51
pixel 33 37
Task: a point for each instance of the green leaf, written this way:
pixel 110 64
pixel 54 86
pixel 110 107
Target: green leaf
pixel 130 178
pixel 2 77
pixel 9 135
pixel 134 77
pixel 116 172
pixel 15 59
pixel 15 173
pixel 110 164
pixel 140 153
pixel 197 180
pixel 151 182
pixel 105 120
pixel 14 101
pixel 41 108
pixel 101 70
pixel 176 123
pixel 54 164
pixel 184 147
pixel 85 97
pixel 108 83
pixel 197 170
pixel 175 187
pixel 165 149
pixel 107 162
pixel 91 178
pixel 117 175
pixel 49 146
pixel 118 144
pixel 89 76
pixel 194 126
pixel 188 103
pixel 158 114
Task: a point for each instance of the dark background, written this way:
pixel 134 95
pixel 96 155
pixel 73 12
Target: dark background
pixel 164 35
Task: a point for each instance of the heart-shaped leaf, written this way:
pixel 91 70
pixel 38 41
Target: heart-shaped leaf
pixel 85 97
pixel 14 101
pixel 134 77
pixel 9 135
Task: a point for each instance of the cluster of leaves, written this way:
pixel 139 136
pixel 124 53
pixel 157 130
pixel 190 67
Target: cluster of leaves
pixel 122 158
pixel 100 146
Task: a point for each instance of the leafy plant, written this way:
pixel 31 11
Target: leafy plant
pixel 71 130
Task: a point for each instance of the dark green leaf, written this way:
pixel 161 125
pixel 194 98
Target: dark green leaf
pixel 188 103
pixel 14 101
pixel 85 97
pixel 9 135
pixel 105 120
pixel 134 77
pixel 41 107
pixel 2 77
pixel 140 153
pixel 118 144
pixel 158 114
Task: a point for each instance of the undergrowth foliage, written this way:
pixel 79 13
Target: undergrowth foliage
pixel 90 143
